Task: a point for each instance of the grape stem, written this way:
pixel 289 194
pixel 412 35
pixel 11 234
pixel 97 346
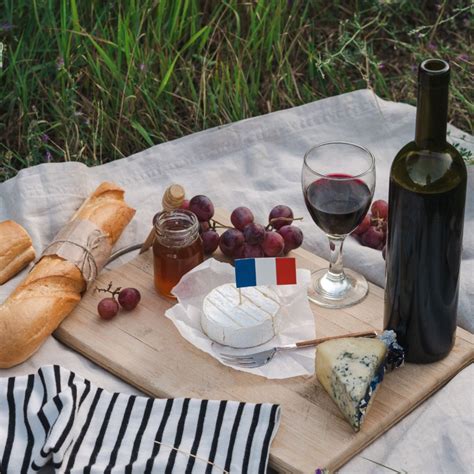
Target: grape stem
pixel 287 219
pixel 219 225
pixel 109 290
pixel 377 221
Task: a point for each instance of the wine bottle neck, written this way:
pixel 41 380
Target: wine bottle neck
pixel 431 117
pixel 432 105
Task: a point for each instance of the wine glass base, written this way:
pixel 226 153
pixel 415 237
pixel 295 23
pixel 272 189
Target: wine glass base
pixel 337 293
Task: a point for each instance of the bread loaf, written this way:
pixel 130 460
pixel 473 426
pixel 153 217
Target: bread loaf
pixel 16 250
pixel 55 285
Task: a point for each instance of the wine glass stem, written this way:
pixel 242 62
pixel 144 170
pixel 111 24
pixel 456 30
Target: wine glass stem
pixel 336 270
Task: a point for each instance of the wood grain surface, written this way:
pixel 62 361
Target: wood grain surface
pixel 145 349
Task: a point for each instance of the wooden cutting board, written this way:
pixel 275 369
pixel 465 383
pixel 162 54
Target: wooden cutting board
pixel 145 349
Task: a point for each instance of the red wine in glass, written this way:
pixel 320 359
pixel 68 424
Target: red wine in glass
pixel 338 203
pixel 338 182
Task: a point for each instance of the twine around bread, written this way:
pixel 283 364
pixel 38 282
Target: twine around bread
pixel 85 245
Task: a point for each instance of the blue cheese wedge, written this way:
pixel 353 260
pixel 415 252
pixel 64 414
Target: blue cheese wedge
pixel 249 324
pixel 351 369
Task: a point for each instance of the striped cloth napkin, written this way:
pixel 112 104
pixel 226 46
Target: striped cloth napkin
pixel 55 416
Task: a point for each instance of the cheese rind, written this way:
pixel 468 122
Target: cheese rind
pixel 249 324
pixel 350 369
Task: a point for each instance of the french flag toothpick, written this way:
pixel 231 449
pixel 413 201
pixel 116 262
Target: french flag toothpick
pixel 265 271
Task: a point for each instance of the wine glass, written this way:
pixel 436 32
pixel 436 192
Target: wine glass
pixel 338 181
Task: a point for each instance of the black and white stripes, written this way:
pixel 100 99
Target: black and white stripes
pixel 57 417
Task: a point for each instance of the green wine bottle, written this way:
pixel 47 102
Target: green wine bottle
pixel 427 197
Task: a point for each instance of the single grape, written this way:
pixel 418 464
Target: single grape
pixel 202 207
pixel 293 237
pixel 185 204
pixel 379 209
pixel 280 211
pixel 204 227
pixel 107 308
pixel 241 216
pixel 372 237
pixel 129 298
pixel 230 240
pixel 363 226
pixel 252 251
pixel 239 252
pixel 210 241
pixel 254 233
pixel 273 244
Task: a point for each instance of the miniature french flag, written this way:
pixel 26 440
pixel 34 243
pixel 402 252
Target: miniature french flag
pixel 265 271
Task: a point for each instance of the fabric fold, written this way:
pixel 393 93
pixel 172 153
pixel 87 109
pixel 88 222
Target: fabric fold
pixel 57 417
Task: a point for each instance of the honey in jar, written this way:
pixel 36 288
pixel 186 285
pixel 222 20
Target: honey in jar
pixel 177 248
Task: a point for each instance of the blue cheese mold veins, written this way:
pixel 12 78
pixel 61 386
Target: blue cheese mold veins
pixel 351 371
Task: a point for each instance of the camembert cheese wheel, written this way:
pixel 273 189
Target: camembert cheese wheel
pixel 249 324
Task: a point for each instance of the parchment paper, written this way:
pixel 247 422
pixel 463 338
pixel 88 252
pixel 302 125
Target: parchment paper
pixel 297 322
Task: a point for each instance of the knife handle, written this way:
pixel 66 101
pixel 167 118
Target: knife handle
pixel 315 342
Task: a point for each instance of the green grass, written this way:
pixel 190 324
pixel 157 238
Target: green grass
pixel 96 81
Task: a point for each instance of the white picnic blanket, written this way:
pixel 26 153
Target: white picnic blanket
pixel 257 162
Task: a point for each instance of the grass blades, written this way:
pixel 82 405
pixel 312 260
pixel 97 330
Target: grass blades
pixel 96 81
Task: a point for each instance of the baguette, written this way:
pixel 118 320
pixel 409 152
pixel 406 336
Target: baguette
pixel 16 250
pixel 55 285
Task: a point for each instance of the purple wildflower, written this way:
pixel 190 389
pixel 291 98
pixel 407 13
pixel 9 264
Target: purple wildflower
pixel 6 26
pixel 381 66
pixel 142 67
pixel 48 157
pixel 432 47
pixel 463 57
pixel 414 67
pixel 45 138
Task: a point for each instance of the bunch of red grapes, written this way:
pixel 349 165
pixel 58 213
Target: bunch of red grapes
pixel 247 239
pixel 372 231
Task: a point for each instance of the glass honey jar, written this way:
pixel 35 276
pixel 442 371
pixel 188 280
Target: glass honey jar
pixel 177 248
